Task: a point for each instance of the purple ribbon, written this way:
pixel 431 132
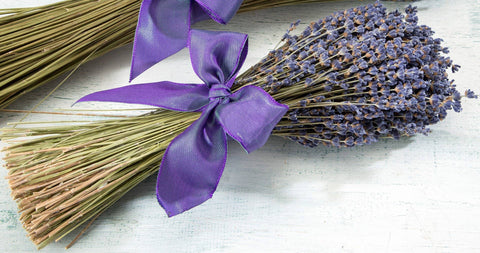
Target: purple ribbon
pixel 194 161
pixel 163 27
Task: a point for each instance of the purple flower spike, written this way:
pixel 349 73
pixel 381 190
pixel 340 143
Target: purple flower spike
pixel 377 74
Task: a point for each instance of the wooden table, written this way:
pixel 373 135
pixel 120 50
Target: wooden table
pixel 420 194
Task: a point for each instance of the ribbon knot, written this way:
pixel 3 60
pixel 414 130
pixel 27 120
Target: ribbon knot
pixel 219 91
pixel 163 27
pixel 194 161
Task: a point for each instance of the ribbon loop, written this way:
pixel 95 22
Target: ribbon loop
pixel 163 26
pixel 217 57
pixel 250 116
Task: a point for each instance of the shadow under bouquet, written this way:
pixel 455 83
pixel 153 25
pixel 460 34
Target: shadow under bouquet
pixel 347 80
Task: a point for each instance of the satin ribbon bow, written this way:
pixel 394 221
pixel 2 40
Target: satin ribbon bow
pixel 163 27
pixel 194 161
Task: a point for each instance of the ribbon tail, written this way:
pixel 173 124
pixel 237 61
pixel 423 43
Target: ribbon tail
pixel 167 95
pixel 192 165
pixel 162 30
pixel 250 116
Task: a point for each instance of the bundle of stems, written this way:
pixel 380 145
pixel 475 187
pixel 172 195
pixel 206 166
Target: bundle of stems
pixel 72 173
pixel 38 44
pixel 349 79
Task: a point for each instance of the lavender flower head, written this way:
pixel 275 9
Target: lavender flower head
pixel 358 75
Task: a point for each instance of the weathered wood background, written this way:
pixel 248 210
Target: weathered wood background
pixel 414 195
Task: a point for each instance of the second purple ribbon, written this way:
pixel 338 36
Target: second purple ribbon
pixel 163 27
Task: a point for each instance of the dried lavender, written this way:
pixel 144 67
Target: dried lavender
pixel 357 76
pixel 349 79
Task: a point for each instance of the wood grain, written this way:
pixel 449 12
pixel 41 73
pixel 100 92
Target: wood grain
pixel 414 195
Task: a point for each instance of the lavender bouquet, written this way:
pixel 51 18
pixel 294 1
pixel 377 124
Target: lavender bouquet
pixel 357 76
pixel 348 79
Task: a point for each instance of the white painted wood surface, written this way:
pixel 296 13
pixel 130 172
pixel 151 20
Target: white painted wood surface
pixel 414 195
